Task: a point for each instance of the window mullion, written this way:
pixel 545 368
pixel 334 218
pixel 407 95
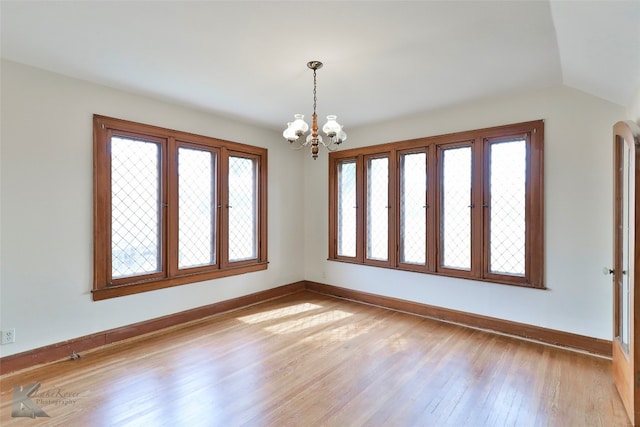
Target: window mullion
pixel 393 210
pixel 478 176
pixel 433 181
pixel 361 210
pixel 263 210
pixel 221 200
pixel 170 207
pixel 535 206
pixel 223 246
pixel 102 207
pixel 164 208
pixel 395 200
pixel 333 209
pixel 389 210
pixel 486 203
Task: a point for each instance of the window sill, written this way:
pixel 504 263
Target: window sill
pixel 151 285
pixel 518 282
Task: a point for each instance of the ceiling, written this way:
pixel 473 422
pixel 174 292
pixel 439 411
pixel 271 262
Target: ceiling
pixel 382 59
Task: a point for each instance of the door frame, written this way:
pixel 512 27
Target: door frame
pixel 626 362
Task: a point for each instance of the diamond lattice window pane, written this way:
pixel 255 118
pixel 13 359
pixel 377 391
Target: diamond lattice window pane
pixel 456 214
pixel 196 208
pixel 135 207
pixel 378 209
pixel 507 224
pixel 413 203
pixel 242 209
pixel 347 208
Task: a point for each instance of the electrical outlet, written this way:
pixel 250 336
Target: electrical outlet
pixel 9 336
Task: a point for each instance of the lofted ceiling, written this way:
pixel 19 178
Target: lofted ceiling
pixel 382 59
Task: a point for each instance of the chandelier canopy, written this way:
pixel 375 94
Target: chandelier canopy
pixel 299 127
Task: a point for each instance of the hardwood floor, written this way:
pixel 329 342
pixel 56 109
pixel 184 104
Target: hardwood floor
pixel 307 359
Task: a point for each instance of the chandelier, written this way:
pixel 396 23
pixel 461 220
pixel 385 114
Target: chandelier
pixel 299 127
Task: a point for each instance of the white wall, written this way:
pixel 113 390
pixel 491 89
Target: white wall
pixel 46 209
pixel 633 110
pixel 578 215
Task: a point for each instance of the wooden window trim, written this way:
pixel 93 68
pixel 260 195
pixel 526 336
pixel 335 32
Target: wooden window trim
pixel 472 272
pixel 391 249
pixel 333 212
pixel 528 207
pixel 478 141
pixel 170 275
pixel 429 211
pixel 174 270
pixel 261 190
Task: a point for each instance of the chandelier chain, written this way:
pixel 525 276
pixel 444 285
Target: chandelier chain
pixel 314 91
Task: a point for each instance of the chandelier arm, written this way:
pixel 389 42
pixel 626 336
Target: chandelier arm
pixel 332 141
pixel 328 147
pixel 297 146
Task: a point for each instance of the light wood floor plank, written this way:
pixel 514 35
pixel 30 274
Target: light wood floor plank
pixel 311 360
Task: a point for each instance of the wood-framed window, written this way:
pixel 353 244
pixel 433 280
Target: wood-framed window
pixel 172 208
pixel 378 221
pixel 466 205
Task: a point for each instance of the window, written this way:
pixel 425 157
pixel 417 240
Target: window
pixel 466 205
pixel 377 225
pixel 455 203
pixel 346 208
pixel 413 208
pixel 172 208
